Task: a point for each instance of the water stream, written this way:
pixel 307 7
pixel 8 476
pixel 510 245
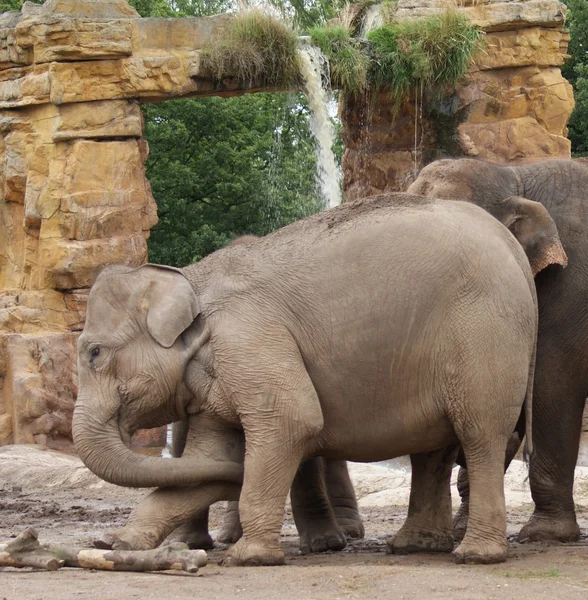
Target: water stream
pixel 315 74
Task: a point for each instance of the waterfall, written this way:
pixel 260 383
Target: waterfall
pixel 372 19
pixel 314 64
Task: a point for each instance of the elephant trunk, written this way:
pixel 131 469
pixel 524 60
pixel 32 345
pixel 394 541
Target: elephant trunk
pixel 100 446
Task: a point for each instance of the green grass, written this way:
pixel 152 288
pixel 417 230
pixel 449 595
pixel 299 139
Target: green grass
pixel 254 48
pixel 431 53
pixel 347 60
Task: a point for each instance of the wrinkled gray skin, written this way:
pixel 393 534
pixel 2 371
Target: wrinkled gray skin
pixel 561 376
pixel 322 494
pixel 379 328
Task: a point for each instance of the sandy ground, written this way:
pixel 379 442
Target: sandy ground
pixel 68 505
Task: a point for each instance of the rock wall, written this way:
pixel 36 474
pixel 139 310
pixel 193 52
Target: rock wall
pixel 512 107
pixel 73 192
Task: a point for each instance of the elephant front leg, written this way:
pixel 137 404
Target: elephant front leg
pixel 313 514
pixel 342 498
pixel 280 425
pixel 428 527
pixel 557 424
pixel 162 511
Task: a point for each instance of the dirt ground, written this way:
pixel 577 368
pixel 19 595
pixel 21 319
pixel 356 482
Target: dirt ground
pixel 76 513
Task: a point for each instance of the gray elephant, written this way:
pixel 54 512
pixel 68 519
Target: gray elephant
pixel 398 325
pixel 561 376
pixel 322 493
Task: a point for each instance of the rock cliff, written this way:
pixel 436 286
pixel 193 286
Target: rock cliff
pixel 513 105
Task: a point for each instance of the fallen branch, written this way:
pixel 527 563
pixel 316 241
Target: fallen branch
pixel 26 551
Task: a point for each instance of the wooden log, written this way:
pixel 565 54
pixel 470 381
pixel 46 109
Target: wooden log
pixel 26 551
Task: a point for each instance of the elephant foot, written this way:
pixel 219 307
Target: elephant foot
pixel 409 540
pixel 322 540
pixel 557 529
pixel 126 539
pixel 252 554
pixel 195 538
pixel 460 521
pixel 230 533
pixel 480 554
pixel 352 527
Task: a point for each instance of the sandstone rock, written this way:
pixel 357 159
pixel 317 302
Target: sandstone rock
pixel 24 86
pixel 100 9
pixel 493 15
pixel 532 46
pixel 53 38
pixel 5 430
pixel 41 386
pixel 103 119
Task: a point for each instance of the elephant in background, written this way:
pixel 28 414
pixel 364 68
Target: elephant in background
pixel 561 375
pixel 390 326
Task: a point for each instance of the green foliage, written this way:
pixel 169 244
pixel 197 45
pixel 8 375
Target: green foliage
pixel 254 47
pixel 180 8
pixel 576 72
pixel 430 53
pixel 224 167
pixel 15 5
pixel 347 60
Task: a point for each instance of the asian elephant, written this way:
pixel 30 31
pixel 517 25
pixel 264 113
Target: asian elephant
pixel 561 375
pixel 389 326
pixel 320 494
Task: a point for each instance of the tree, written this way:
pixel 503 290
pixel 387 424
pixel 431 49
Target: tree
pixel 576 71
pixel 223 167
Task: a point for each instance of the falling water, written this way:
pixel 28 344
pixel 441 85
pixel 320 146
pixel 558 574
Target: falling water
pixel 372 19
pixel 314 64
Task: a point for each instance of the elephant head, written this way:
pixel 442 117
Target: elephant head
pixel 497 190
pixel 142 328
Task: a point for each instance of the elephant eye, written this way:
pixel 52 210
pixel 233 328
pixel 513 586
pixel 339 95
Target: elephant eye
pixel 94 353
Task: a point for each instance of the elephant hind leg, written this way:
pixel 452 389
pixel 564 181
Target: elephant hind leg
pixel 194 533
pixel 460 520
pixel 231 530
pixel 428 527
pixel 342 498
pixel 313 513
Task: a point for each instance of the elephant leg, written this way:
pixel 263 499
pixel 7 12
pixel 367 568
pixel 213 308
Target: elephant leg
pixel 162 511
pixel 428 527
pixel 231 530
pixel 342 497
pixel 193 532
pixel 313 514
pixel 485 537
pixel 557 422
pixel 166 509
pixel 292 418
pixel 460 521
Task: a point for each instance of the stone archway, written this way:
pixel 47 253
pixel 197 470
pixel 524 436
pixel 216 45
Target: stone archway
pixel 73 192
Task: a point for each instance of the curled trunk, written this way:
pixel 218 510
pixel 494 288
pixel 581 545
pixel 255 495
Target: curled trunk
pixel 99 445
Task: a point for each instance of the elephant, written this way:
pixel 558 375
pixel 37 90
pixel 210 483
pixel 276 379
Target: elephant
pixel 561 375
pixel 327 491
pixel 388 326
pixel 322 493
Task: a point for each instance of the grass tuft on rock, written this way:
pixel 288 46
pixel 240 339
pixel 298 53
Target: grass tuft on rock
pixel 348 62
pixel 255 48
pixel 430 53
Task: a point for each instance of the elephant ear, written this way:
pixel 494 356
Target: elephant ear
pixel 172 304
pixel 532 225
